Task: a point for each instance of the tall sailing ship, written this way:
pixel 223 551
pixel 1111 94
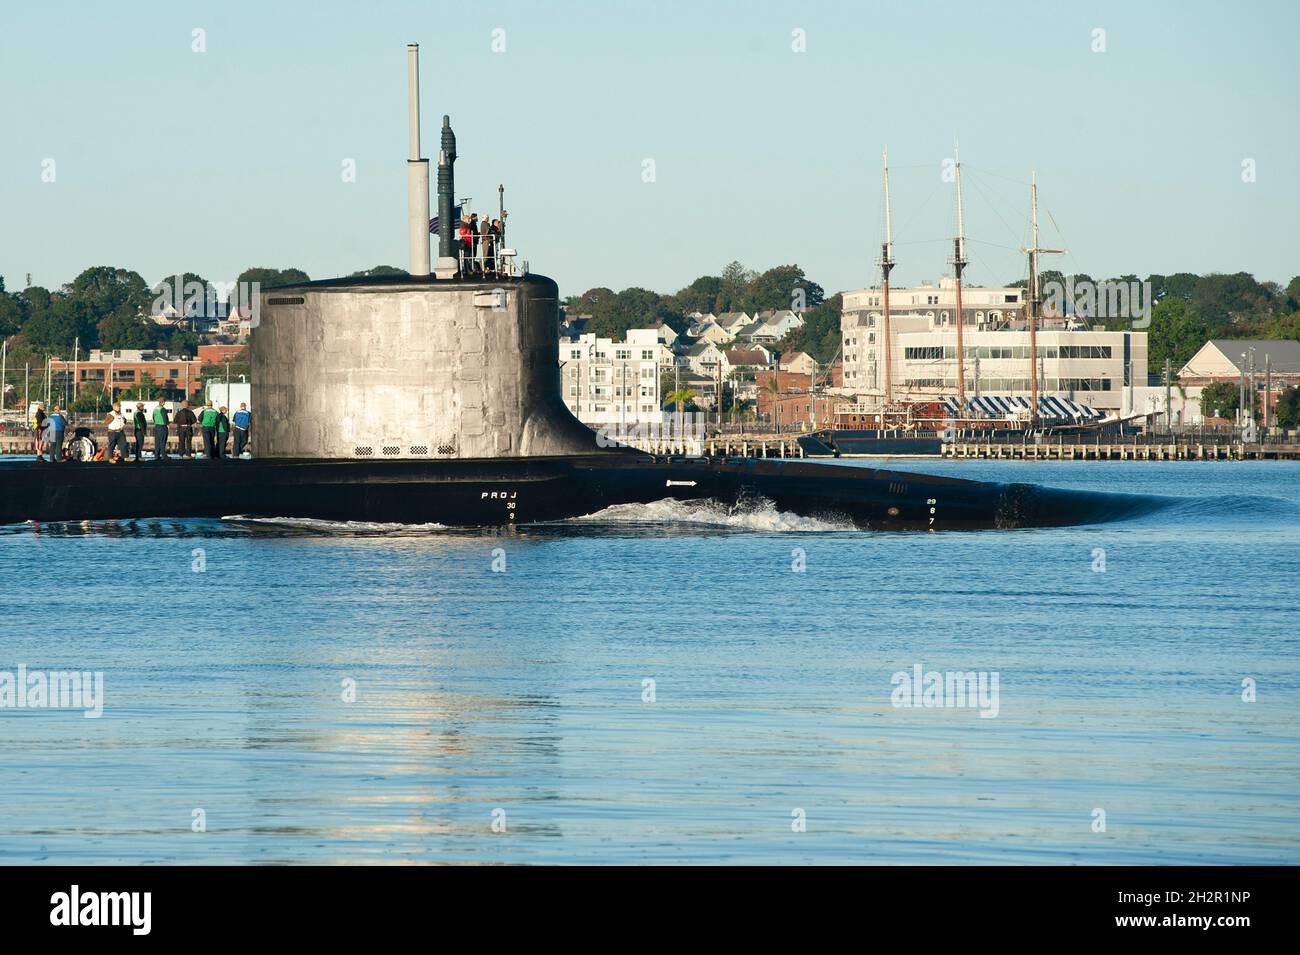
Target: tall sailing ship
pixel 893 417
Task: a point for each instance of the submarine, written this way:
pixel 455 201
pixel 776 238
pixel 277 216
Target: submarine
pixel 434 398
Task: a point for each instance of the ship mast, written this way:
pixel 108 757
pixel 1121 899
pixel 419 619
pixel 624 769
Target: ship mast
pixel 886 263
pixel 1034 299
pixel 958 264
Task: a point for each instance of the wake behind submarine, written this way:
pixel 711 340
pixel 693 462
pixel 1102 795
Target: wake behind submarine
pixel 435 398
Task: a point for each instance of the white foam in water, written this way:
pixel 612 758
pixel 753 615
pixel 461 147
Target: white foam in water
pixel 353 527
pixel 759 515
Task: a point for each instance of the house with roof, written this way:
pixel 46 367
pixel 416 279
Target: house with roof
pixel 706 358
pixel 749 356
pixel 732 323
pixel 1225 359
pixel 798 362
pixel 713 332
pixel 664 332
pixel 704 387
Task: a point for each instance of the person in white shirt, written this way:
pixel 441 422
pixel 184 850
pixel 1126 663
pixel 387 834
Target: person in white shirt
pixel 116 450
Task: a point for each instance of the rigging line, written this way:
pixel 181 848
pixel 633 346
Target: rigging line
pixel 1009 248
pixel 921 208
pixel 983 195
pixel 983 170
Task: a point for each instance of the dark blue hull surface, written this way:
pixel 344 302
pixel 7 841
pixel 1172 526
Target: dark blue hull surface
pixel 866 442
pixel 504 492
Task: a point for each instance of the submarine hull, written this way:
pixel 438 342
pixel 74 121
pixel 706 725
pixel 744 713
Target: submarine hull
pixel 505 492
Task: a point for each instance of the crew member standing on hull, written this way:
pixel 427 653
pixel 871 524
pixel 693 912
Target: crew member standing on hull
pixel 241 422
pixel 38 429
pixel 141 425
pixel 185 431
pixel 223 432
pixel 208 422
pixel 160 432
pixel 58 423
pixel 117 449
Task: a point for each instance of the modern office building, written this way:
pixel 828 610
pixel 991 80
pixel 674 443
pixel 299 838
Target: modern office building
pixel 1087 365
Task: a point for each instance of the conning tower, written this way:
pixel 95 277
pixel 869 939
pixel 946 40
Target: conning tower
pixel 453 364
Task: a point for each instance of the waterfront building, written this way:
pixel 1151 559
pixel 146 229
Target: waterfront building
pixel 607 382
pixel 1091 366
pixel 120 370
pixel 1224 359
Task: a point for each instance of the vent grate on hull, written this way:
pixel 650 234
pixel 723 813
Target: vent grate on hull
pixel 391 451
pixel 363 452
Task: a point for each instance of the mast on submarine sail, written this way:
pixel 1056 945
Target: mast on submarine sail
pixel 886 263
pixel 958 264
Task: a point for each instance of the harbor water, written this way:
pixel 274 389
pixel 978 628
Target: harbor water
pixel 669 683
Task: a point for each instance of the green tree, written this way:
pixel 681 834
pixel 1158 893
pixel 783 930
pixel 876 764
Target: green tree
pixel 773 387
pixel 1287 411
pixel 1292 295
pixel 612 316
pixel 11 315
pixel 91 397
pixel 734 281
pixel 1220 399
pixel 128 330
pixel 1179 285
pixel 819 335
pixel 182 342
pixel 1224 300
pixel 587 302
pixel 182 294
pixel 777 287
pixel 380 270
pixel 146 389
pixel 59 326
pixel 106 290
pixel 1176 333
pixel 270 278
pixel 700 296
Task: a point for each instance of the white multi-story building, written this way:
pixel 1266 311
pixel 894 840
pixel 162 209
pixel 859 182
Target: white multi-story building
pixel 614 383
pixel 1093 367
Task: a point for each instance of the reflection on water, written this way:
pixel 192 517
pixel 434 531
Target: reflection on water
pixel 362 693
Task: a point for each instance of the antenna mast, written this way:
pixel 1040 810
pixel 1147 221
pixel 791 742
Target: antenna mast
pixel 958 264
pixel 417 169
pixel 886 264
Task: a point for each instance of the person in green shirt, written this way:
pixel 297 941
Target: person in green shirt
pixel 208 422
pixel 160 420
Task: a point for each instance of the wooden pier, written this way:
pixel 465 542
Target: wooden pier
pixel 1122 451
pixel 726 446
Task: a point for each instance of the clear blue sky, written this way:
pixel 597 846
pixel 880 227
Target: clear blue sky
pixel 169 159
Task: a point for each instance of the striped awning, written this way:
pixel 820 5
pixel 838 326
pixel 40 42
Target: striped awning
pixel 1049 407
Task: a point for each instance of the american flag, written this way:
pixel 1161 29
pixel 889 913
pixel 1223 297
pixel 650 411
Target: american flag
pixel 455 216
